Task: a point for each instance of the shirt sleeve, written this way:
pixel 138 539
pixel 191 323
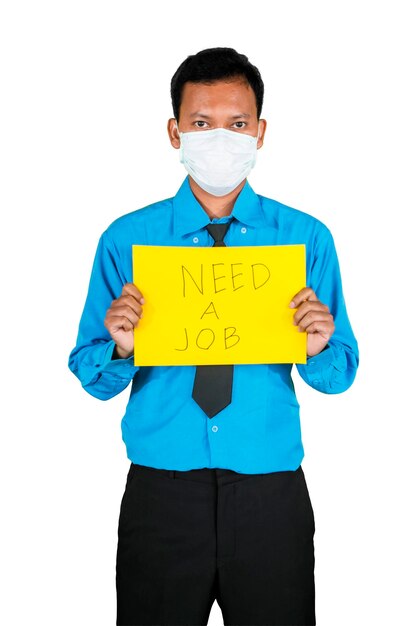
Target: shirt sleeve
pixel 91 359
pixel 334 369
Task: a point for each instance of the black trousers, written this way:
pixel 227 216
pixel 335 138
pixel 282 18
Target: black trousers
pixel 186 539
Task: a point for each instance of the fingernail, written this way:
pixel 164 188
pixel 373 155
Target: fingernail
pixel 292 304
pixel 142 300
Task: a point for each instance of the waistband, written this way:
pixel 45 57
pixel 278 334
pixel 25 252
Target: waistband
pixel 204 475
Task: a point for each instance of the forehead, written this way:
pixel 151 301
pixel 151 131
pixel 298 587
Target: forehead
pixel 236 93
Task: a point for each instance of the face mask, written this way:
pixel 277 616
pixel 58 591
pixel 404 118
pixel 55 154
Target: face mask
pixel 219 159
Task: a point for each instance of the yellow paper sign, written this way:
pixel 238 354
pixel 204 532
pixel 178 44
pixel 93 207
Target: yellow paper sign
pixel 218 305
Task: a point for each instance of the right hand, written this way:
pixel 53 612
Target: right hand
pixel 122 317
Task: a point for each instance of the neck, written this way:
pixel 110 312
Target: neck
pixel 216 206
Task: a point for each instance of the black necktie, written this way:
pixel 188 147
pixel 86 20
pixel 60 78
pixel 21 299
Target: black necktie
pixel 213 383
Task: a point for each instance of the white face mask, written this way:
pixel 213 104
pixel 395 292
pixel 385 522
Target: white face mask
pixel 219 159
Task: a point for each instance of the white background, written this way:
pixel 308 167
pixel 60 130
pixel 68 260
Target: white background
pixel 83 140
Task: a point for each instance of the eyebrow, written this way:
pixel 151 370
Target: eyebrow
pixel 233 117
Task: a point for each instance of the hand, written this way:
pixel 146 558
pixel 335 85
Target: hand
pixel 122 317
pixel 315 318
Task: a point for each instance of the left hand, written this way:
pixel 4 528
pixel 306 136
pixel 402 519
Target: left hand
pixel 313 317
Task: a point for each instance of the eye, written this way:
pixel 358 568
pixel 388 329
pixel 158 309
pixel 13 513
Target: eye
pixel 240 124
pixel 200 124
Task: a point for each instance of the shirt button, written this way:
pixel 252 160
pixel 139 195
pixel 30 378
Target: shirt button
pixel 195 240
pixel 243 230
pixel 215 429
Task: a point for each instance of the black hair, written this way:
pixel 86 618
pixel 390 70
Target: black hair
pixel 212 64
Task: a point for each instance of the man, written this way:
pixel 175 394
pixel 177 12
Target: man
pixel 216 505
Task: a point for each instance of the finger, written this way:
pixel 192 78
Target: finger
pixel 132 290
pixel 126 311
pixel 321 327
pixel 116 315
pixel 129 301
pixel 115 323
pixel 314 316
pixel 305 294
pixel 307 307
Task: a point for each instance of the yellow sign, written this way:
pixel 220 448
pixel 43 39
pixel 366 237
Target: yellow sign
pixel 218 305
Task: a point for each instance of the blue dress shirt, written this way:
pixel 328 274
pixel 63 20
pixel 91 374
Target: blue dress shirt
pixel 259 432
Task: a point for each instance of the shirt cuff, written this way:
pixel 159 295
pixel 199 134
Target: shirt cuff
pixel 123 368
pixel 322 371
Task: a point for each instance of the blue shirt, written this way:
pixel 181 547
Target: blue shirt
pixel 259 432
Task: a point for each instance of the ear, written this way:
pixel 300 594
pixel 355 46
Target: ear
pixel 173 133
pixel 262 129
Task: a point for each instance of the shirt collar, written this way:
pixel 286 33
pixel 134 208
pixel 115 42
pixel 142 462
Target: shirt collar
pixel 190 216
